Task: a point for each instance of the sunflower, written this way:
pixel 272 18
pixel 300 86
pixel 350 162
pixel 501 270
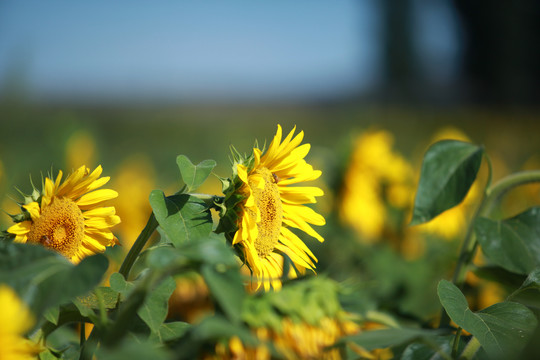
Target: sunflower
pixel 68 217
pixel 262 206
pixel 15 320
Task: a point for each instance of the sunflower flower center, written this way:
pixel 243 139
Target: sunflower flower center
pixel 60 227
pixel 268 202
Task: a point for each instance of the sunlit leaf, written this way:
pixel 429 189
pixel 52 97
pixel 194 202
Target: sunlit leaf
pixel 514 243
pixel 182 217
pixel 194 175
pixel 502 329
pixel 448 171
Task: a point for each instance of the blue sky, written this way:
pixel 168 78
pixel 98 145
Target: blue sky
pixel 189 50
pixel 210 49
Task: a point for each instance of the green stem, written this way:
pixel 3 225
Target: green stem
pixel 471 349
pixel 498 190
pixel 137 247
pixel 83 334
pixel 455 344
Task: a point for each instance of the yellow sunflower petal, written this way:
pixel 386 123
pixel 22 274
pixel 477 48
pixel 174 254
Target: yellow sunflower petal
pixel 96 197
pixel 102 222
pixel 21 228
pixel 33 209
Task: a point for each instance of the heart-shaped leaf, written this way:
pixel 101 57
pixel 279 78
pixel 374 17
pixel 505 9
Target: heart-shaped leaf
pixel 194 175
pixel 448 171
pixel 502 329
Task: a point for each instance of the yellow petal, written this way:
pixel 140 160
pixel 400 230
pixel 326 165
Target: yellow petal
pixel 97 196
pixel 21 228
pixel 100 212
pixel 33 209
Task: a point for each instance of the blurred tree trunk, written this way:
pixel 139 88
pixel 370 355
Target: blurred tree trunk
pixel 501 61
pixel 399 56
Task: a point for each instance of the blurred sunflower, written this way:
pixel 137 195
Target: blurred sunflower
pixel 69 217
pixel 15 320
pixel 378 179
pixel 261 205
pixel 303 321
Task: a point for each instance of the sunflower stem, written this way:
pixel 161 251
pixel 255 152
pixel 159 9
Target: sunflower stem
pixel 138 245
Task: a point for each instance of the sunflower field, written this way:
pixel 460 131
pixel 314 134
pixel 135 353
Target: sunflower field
pixel 284 237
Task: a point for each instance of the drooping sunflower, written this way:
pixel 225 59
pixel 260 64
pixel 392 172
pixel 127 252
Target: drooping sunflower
pixel 263 203
pixel 69 217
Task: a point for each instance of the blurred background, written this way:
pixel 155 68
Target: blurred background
pixel 130 86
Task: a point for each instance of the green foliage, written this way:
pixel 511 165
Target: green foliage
pixel 503 329
pixel 448 171
pixel 45 279
pixel 513 244
pixel 194 175
pixel 385 338
pixel 182 217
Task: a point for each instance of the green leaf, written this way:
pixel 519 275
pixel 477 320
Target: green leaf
pixel 52 315
pixel 134 349
pixel 448 171
pixel 380 339
pixel 217 327
pixel 226 288
pixel 502 329
pixel 182 217
pixel 120 285
pixel 87 304
pixel 437 348
pixel 211 250
pixel 514 243
pixel 194 175
pixel 154 309
pixel 44 278
pixel 171 331
pixel 529 292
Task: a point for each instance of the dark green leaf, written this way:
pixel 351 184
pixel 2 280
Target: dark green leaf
pixel 502 329
pixel 529 292
pixel 379 339
pixel 226 288
pixel 44 278
pixel 514 243
pixel 211 250
pixel 154 310
pixel 194 175
pixel 134 349
pixel 448 171
pixel 437 348
pixel 52 314
pixel 497 274
pixel 182 217
pixel 217 327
